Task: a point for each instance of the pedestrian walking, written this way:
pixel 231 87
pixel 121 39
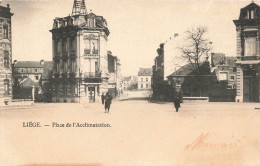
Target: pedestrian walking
pixel 177 100
pixel 103 98
pixel 108 101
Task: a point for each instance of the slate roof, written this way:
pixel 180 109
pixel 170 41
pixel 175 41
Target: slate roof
pixel 127 78
pixel 28 82
pixel 231 61
pixel 145 72
pixel 28 64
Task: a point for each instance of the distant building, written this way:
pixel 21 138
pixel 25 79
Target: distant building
pixel 248 54
pixel 144 78
pixel 5 55
pixel 80 66
pixel 30 75
pixel 114 70
pixel 224 68
pixel 129 83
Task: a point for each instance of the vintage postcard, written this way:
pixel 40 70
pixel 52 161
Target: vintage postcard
pixel 129 83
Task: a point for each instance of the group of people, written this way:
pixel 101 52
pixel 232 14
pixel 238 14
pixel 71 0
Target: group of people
pixel 107 100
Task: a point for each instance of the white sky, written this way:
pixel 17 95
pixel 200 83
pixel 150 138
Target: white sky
pixel 137 27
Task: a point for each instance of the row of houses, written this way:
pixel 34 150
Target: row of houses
pixel 81 69
pixel 238 74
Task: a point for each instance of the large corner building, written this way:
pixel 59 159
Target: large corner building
pixel 5 55
pixel 80 66
pixel 248 54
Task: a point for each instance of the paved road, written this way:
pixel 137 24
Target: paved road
pixel 141 133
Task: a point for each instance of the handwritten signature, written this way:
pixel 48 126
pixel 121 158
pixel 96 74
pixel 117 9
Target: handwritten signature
pixel 200 143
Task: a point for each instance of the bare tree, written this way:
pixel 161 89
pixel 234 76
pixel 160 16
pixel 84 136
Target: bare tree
pixel 195 49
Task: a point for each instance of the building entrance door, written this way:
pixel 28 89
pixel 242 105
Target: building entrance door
pixel 91 94
pixel 250 88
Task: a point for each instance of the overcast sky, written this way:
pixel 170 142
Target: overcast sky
pixel 137 27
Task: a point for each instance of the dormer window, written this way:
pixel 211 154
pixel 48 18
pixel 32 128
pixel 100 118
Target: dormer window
pixel 250 14
pixel 91 22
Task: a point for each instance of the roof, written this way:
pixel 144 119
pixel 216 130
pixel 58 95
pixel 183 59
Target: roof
pixel 145 72
pixel 47 69
pixel 231 61
pixel 27 64
pixel 28 82
pixel 184 70
pixel 127 78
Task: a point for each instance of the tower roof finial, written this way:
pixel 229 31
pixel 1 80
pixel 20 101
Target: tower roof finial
pixel 79 7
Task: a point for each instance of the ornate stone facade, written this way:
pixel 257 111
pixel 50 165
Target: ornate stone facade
pixel 5 55
pixel 248 54
pixel 80 67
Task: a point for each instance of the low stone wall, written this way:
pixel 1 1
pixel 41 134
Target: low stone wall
pixel 195 99
pixel 21 102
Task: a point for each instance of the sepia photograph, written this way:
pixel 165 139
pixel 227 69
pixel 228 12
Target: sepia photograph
pixel 129 83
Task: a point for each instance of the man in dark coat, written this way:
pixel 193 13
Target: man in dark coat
pixel 103 98
pixel 108 101
pixel 177 100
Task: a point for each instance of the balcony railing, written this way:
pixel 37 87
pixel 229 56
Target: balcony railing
pixel 88 51
pixel 92 74
pixel 94 51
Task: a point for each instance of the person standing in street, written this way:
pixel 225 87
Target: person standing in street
pixel 103 98
pixel 108 101
pixel 177 100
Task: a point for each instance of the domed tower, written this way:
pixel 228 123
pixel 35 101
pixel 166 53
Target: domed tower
pixel 79 41
pixel 248 54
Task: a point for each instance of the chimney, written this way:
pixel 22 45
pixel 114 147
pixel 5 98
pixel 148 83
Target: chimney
pixel 42 62
pixel 8 6
pixel 176 35
pixel 15 62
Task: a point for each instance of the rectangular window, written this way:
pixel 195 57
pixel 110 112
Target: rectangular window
pixel 35 70
pixel 57 67
pixel 146 85
pixel 37 77
pixel 252 14
pixel 250 46
pixel 58 47
pixel 142 86
pixel 5 27
pixel 223 76
pixel 232 78
pixel 6 87
pixel 146 79
pixel 72 44
pixel 87 47
pixel 64 45
pixel 141 79
pixel 6 59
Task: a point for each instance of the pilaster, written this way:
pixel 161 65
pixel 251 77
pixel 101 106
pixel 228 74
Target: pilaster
pixel 239 96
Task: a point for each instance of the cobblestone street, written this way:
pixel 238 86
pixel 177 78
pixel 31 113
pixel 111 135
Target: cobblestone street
pixel 140 133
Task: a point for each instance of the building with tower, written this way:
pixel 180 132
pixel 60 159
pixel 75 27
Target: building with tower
pixel 80 66
pixel 248 54
pixel 5 55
